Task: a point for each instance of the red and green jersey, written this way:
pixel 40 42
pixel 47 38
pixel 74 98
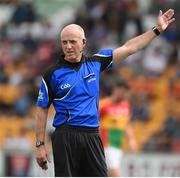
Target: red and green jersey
pixel 114 118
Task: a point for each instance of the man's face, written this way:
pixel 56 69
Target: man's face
pixel 72 45
pixel 120 93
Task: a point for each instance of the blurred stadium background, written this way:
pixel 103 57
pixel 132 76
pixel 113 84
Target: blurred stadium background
pixel 29 42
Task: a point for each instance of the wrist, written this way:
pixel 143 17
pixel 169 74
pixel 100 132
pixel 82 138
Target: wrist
pixel 156 30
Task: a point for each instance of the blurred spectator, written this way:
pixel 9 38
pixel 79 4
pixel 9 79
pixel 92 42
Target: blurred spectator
pixel 29 43
pixel 3 76
pixel 45 52
pixel 140 108
pixel 24 12
pixel 158 142
pixel 23 103
pixel 170 124
pixel 8 1
pixel 155 62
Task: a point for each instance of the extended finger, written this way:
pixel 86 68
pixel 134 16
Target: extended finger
pixel 169 11
pixel 169 14
pixel 172 20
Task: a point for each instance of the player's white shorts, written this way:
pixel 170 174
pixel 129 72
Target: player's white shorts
pixel 113 157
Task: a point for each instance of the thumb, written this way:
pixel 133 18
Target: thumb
pixel 48 158
pixel 160 12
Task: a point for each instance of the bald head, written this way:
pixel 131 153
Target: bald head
pixel 73 42
pixel 73 29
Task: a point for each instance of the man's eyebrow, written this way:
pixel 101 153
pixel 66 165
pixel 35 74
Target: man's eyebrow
pixel 69 41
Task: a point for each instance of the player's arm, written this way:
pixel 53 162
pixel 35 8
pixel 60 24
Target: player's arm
pixel 135 44
pixel 131 138
pixel 41 152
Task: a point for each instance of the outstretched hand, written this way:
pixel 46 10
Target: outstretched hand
pixel 165 19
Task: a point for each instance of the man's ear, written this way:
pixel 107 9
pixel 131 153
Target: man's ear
pixel 84 41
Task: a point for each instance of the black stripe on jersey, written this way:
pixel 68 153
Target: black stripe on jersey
pixel 47 77
pixel 105 61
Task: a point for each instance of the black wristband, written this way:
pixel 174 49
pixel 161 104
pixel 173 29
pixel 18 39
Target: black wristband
pixel 156 31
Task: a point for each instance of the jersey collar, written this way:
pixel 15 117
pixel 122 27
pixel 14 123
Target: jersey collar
pixel 75 65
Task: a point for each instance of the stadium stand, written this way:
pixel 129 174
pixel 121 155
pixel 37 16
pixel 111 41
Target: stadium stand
pixel 29 45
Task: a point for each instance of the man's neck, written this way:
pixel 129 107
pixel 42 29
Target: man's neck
pixel 76 60
pixel 115 100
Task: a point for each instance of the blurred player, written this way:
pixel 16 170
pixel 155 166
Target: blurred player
pixel 115 123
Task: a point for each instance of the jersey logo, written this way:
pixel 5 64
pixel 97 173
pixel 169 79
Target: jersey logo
pixel 91 79
pixel 41 96
pixel 64 86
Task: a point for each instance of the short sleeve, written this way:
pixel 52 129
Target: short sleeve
pixel 105 57
pixel 45 96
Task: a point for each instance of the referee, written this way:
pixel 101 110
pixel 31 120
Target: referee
pixel 72 86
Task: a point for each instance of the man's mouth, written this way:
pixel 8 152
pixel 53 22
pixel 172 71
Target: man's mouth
pixel 70 52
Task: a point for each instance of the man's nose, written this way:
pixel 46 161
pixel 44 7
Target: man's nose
pixel 69 45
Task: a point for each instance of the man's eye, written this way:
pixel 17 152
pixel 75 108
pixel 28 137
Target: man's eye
pixel 73 42
pixel 64 42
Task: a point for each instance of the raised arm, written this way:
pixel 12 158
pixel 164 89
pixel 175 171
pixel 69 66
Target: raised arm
pixel 135 44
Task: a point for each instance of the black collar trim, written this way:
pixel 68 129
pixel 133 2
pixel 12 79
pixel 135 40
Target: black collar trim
pixel 74 65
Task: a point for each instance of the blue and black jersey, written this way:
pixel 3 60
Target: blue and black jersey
pixel 73 89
